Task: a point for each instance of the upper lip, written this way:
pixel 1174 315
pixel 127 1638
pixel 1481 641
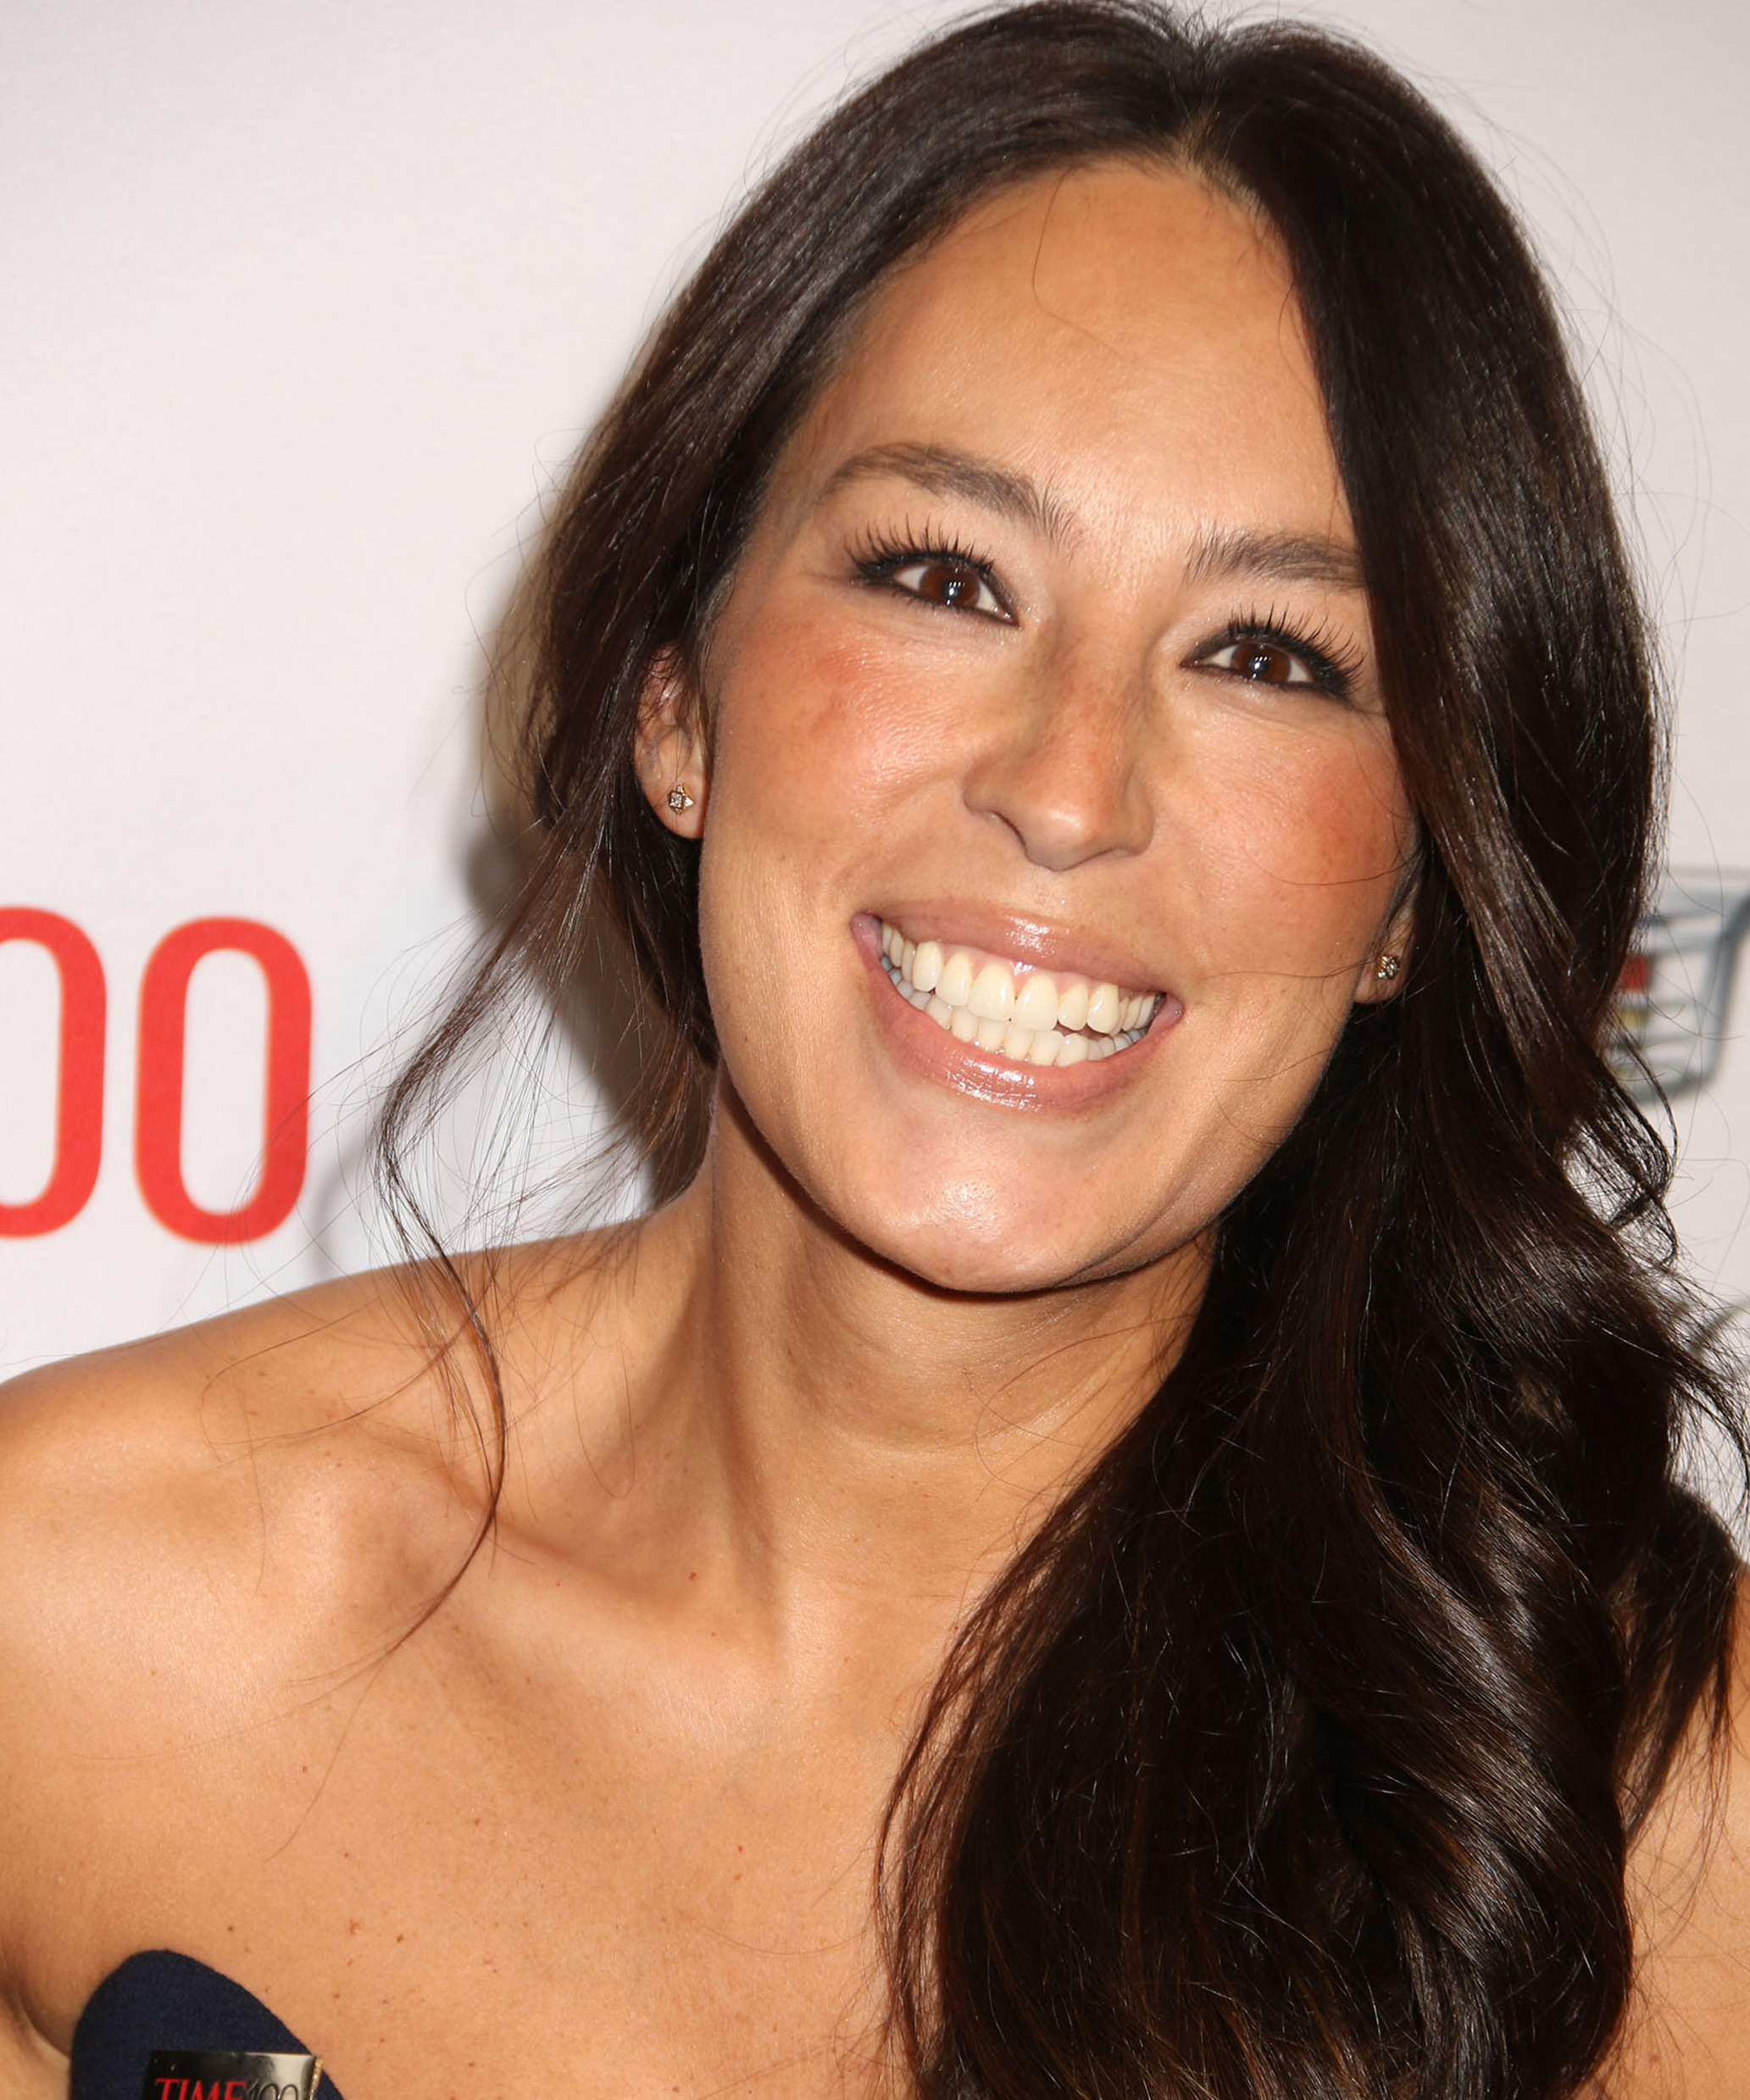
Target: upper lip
pixel 1037 940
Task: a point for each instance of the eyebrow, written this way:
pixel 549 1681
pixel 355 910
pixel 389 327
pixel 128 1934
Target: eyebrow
pixel 1216 551
pixel 1281 557
pixel 1004 490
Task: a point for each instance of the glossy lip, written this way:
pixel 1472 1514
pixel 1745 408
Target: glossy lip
pixel 1029 942
pixel 919 1045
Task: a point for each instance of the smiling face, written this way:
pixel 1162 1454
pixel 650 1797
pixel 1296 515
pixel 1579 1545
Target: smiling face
pixel 1050 822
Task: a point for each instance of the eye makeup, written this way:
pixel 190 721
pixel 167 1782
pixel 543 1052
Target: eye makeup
pixel 1269 648
pixel 1331 666
pixel 881 558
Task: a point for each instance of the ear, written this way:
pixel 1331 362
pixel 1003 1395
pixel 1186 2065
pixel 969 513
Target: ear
pixel 669 752
pixel 1382 971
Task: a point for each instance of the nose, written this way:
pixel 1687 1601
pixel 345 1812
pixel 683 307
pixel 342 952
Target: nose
pixel 1059 767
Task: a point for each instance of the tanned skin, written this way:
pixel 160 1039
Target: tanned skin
pixel 599 1814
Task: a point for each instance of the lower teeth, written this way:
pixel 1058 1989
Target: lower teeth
pixel 1053 1046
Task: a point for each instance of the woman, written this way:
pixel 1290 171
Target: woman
pixel 1122 1535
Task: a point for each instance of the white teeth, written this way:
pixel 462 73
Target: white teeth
pixel 1030 1022
pixel 992 994
pixel 1072 1008
pixel 955 983
pixel 1036 1005
pixel 1102 1011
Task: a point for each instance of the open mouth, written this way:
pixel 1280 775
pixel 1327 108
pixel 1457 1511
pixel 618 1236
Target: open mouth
pixel 1011 1009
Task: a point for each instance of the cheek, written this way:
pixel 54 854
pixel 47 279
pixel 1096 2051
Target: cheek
pixel 820 752
pixel 1301 842
pixel 815 729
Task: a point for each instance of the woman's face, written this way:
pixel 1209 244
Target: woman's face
pixel 1048 653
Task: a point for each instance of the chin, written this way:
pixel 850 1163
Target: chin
pixel 984 1272
pixel 981 1256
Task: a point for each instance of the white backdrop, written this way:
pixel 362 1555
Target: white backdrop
pixel 306 306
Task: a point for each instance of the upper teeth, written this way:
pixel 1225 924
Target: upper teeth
pixel 1035 1016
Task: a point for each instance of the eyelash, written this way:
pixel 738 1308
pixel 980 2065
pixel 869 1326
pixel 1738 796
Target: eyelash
pixel 1333 665
pixel 878 557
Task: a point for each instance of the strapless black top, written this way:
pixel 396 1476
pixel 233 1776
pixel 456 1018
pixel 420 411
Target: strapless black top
pixel 168 2002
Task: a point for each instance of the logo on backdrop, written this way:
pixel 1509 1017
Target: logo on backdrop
pixel 1674 999
pixel 158 1089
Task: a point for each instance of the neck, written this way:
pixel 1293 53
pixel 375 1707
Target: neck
pixel 839 1422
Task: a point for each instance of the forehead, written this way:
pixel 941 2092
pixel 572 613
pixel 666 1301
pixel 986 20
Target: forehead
pixel 1128 335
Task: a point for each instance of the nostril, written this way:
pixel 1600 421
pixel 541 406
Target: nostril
pixel 1059 838
pixel 1063 805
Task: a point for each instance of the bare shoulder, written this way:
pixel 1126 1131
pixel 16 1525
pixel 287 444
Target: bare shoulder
pixel 250 1443
pixel 1689 2035
pixel 195 1532
pixel 213 1546
pixel 244 1495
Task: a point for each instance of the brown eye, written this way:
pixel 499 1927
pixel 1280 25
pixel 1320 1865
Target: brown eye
pixel 1261 663
pixel 957 585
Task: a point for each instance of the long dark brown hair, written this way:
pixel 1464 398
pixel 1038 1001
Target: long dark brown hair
pixel 1299 1753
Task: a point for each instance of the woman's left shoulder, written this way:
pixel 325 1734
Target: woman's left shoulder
pixel 1688 2034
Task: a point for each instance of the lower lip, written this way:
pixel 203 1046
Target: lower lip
pixel 920 1045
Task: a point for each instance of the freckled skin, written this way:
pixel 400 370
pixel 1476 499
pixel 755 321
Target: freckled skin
pixel 1132 343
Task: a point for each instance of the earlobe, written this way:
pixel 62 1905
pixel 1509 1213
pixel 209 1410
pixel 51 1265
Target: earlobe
pixel 669 753
pixel 1377 976
pixel 1383 970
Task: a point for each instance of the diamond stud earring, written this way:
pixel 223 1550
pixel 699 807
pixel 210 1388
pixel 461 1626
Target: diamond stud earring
pixel 678 799
pixel 1384 970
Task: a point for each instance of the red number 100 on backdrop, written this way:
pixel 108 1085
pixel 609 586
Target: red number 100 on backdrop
pixel 158 1097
